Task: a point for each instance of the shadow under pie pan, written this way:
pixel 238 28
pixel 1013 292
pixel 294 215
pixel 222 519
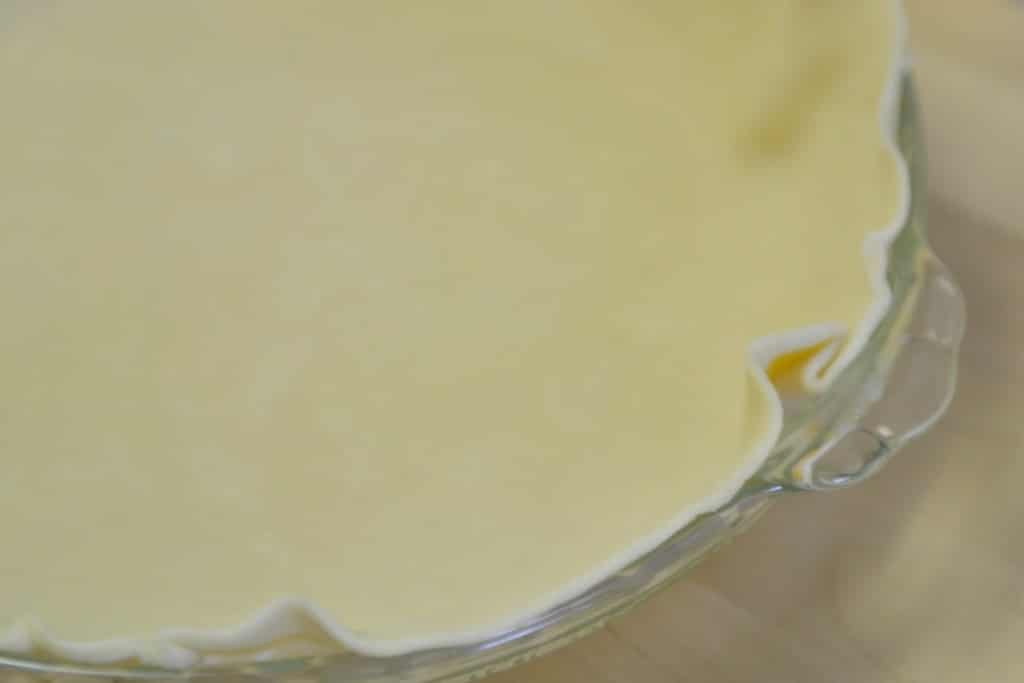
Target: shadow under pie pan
pixel 894 390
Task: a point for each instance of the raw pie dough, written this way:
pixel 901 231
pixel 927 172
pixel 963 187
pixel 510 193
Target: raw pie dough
pixel 398 322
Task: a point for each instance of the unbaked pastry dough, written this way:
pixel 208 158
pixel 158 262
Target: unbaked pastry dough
pixel 400 321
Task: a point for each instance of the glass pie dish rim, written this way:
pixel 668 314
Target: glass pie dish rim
pixel 832 440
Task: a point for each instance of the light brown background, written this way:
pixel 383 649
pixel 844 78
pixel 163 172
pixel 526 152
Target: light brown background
pixel 917 575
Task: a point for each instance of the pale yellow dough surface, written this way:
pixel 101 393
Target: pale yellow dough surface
pixel 417 311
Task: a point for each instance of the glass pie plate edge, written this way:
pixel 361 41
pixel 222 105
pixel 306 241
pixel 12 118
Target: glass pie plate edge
pixel 896 388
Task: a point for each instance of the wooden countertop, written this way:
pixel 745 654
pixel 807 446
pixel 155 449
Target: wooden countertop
pixel 917 575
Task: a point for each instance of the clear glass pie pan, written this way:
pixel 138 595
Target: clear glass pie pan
pixel 894 390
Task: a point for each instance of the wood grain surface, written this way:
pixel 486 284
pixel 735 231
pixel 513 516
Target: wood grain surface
pixel 917 575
